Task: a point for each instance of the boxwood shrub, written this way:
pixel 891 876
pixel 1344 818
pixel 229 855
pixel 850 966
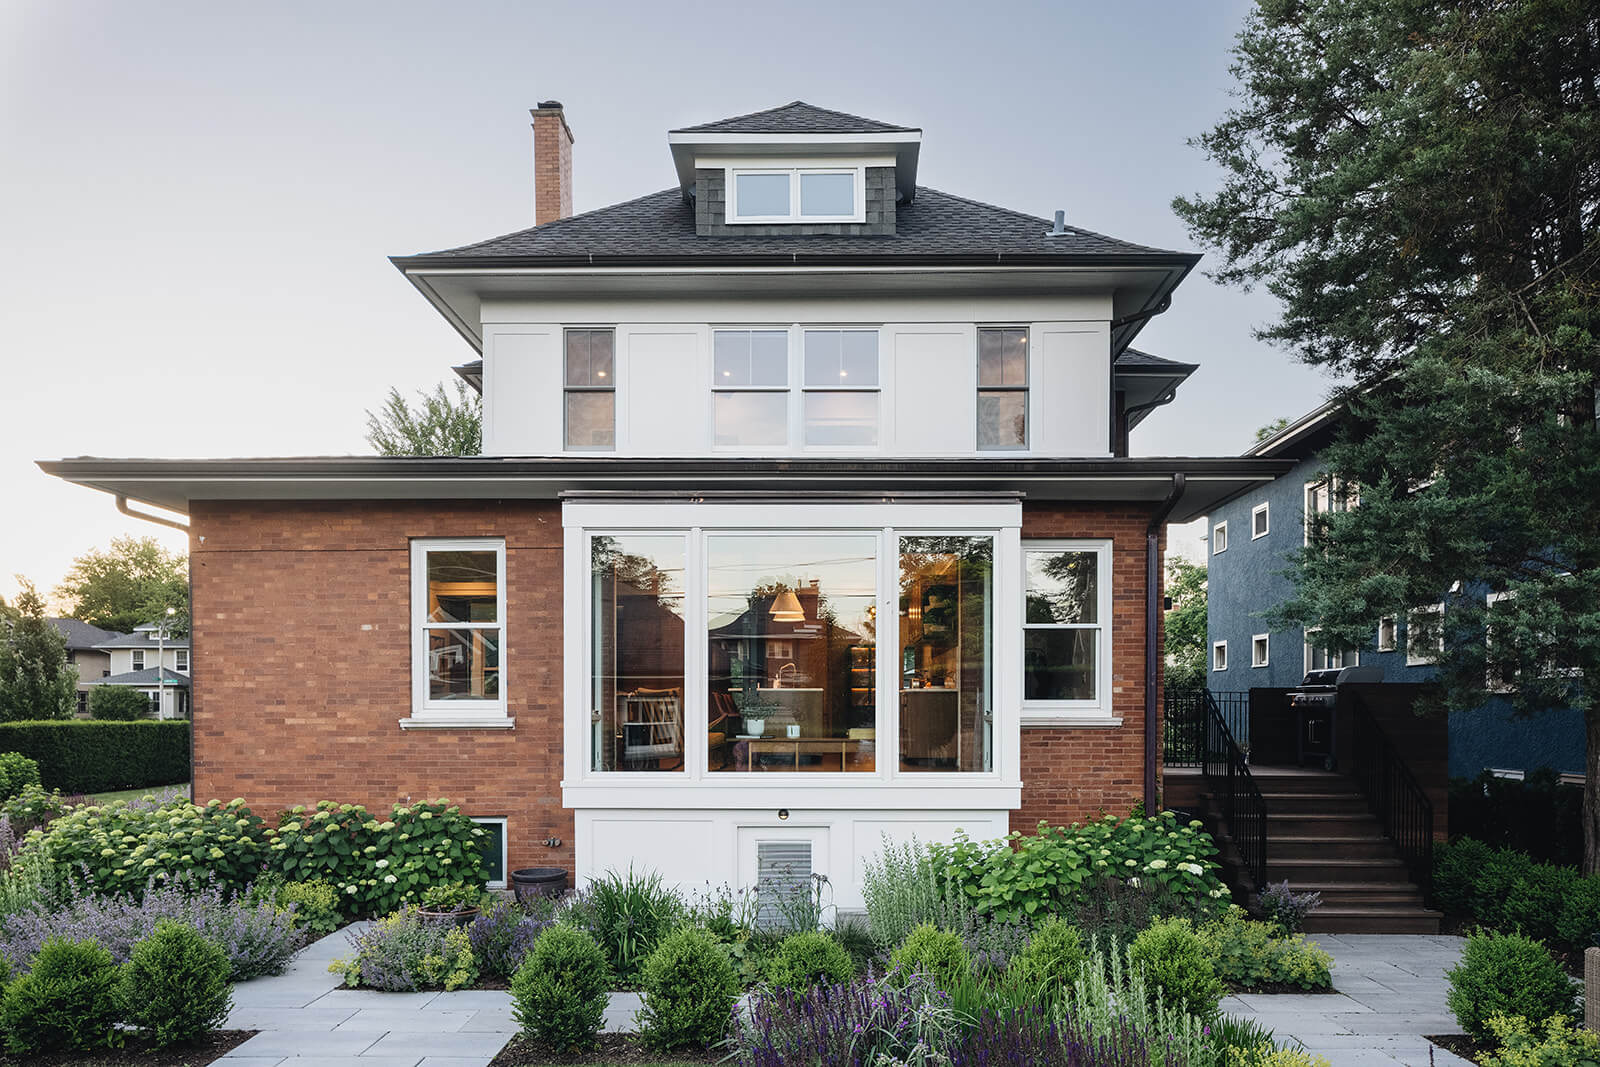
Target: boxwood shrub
pixel 118 703
pixel 1508 890
pixel 17 772
pixel 93 756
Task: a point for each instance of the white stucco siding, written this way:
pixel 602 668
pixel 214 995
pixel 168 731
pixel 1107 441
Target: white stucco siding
pixel 927 403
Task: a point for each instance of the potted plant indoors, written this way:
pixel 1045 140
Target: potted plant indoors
pixel 452 902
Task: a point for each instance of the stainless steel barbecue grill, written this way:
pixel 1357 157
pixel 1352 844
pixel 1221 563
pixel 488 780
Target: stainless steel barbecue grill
pixel 1315 707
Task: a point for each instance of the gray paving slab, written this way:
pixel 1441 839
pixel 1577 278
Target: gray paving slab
pixel 375 998
pixel 491 1021
pixel 396 1042
pixel 621 1013
pixel 284 1043
pixel 383 1020
pixel 308 1018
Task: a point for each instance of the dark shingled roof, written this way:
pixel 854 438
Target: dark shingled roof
pixel 81 635
pixel 935 225
pixel 145 677
pixel 796 117
pixel 1134 359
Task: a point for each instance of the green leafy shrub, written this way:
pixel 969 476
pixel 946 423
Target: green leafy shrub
pixel 378 866
pixel 559 994
pixel 315 904
pixel 120 848
pixel 628 914
pixel 1455 869
pixel 1052 871
pixel 1052 959
pixel 1506 974
pixel 907 885
pixel 1176 960
pixel 405 952
pixel 17 772
pixel 67 1000
pixel 689 989
pixel 809 958
pixel 175 985
pixel 1507 890
pixel 936 953
pixel 1557 1044
pixel 91 756
pixel 1251 954
pixel 33 808
pixel 118 703
pixel 1267 1056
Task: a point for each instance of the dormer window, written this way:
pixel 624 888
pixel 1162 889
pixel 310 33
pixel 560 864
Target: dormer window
pixel 797 195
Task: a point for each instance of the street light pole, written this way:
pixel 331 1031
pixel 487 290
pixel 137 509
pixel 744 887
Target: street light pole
pixel 161 663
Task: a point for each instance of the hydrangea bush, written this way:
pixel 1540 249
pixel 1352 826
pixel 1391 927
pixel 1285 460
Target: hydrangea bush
pixel 1049 872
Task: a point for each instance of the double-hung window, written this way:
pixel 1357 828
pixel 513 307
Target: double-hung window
pixel 1066 622
pixel 591 390
pixel 181 656
pixel 1424 635
pixel 750 387
pixel 797 195
pixel 458 632
pixel 1002 388
pixel 841 387
pixel 1219 539
pixel 138 659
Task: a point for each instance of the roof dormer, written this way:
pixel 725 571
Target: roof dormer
pixel 796 170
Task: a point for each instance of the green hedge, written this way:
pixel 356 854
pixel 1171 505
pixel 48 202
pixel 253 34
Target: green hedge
pixel 1508 890
pixel 89 756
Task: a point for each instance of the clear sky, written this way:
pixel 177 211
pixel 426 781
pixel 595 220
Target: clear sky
pixel 197 198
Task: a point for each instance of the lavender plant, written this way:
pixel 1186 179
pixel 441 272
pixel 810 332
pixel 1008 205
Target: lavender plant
pixel 852 1024
pixel 258 939
pixel 1035 1036
pixel 1282 905
pixel 501 936
pixel 405 952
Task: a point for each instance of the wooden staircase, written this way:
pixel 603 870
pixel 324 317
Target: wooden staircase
pixel 1321 836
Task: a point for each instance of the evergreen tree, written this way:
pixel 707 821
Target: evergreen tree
pixel 1418 182
pixel 439 425
pixel 36 682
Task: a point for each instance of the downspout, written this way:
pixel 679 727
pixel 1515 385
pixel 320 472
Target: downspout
pixel 122 506
pixel 1152 648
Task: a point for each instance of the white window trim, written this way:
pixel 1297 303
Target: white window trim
pixel 426 713
pixel 1219 655
pixel 1394 634
pixel 731 185
pixel 1026 388
pixel 505 849
pixel 795 390
pixel 1266 646
pixel 1431 656
pixel 1266 525
pixel 695 787
pixel 180 660
pixel 798 342
pixel 1098 709
pixel 1219 528
pixel 566 390
pixel 136 659
pixel 1310 647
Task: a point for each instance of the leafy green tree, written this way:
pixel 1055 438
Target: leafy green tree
pixel 1264 432
pixel 36 681
pixel 1185 627
pixel 132 583
pixel 439 425
pixel 1418 183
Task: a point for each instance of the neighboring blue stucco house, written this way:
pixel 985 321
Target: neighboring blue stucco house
pixel 1251 539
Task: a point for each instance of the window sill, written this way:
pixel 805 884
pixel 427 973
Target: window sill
pixel 1097 722
pixel 487 722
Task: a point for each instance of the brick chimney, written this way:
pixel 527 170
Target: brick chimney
pixel 552 163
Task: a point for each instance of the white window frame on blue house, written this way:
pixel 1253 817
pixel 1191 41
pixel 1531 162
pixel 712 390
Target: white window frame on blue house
pixel 1416 657
pixel 1219 655
pixel 1219 538
pixel 1264 527
pixel 1263 643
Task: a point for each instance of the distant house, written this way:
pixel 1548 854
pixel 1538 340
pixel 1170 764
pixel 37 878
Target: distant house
pixel 1252 536
pixel 105 657
pixel 85 652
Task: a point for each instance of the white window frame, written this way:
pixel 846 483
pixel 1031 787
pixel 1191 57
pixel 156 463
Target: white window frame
pixel 1338 498
pixel 475 714
pixel 1266 522
pixel 1219 655
pixel 180 660
pixel 505 848
pixel 1099 708
pixel 1311 648
pixel 734 218
pixel 795 389
pixel 798 373
pixel 136 659
pixel 1390 643
pixel 1429 658
pixel 1026 388
pixel 1219 538
pixel 1264 641
pixel 787 389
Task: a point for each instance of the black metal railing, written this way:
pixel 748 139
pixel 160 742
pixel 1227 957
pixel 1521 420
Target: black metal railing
pixel 1396 797
pixel 1183 737
pixel 1228 775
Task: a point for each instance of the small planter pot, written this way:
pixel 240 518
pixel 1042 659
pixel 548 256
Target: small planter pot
pixel 461 917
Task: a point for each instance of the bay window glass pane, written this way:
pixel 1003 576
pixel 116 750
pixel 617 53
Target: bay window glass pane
pixel 828 195
pixel 841 358
pixel 1063 587
pixel 945 657
pixel 791 652
pixel 1002 357
pixel 750 418
pixel 841 418
pixel 464 664
pixel 1002 419
pixel 636 653
pixel 462 586
pixel 1059 663
pixel 759 195
pixel 591 419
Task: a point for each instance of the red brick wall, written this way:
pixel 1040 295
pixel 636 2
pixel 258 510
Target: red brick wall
pixel 552 166
pixel 1073 774
pixel 302 664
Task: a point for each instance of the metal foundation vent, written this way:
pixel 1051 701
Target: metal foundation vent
pixel 783 883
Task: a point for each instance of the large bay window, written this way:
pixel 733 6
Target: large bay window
pixel 1067 616
pixel 458 631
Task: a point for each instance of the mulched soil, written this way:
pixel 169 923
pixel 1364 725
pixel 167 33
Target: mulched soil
pixel 1462 1046
pixel 140 1054
pixel 613 1049
pixel 1275 987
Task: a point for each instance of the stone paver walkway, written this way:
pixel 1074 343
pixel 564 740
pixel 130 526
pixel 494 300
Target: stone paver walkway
pixel 1390 991
pixel 307 1019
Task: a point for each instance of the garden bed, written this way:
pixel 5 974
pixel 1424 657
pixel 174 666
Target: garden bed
pixel 612 1048
pixel 138 1053
pixel 1461 1045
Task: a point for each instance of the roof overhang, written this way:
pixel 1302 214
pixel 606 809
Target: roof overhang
pixel 1144 388
pixel 1307 433
pixel 688 146
pixel 174 484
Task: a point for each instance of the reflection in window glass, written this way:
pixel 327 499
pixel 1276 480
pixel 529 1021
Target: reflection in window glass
pixel 637 584
pixel 840 358
pixel 946 653
pixel 1002 388
pixel 828 195
pixel 590 406
pixel 750 418
pixel 762 195
pixel 1002 419
pixel 1061 625
pixel 814 599
pixel 841 418
pixel 591 420
pixel 463 624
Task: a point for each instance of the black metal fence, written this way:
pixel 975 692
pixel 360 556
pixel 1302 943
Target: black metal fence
pixel 1396 797
pixel 1184 734
pixel 1228 776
